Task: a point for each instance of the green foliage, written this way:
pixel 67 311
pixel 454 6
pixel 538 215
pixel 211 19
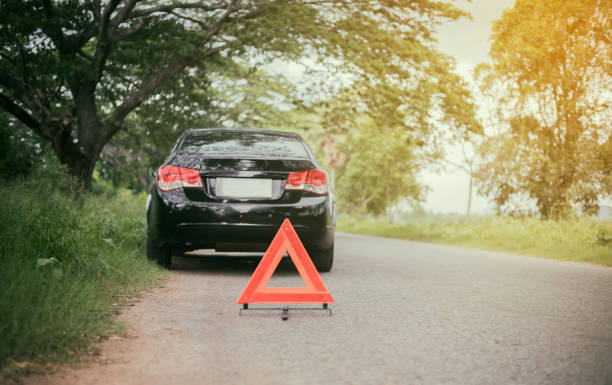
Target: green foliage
pixel 379 170
pixel 240 96
pixel 581 239
pixel 399 78
pixel 551 78
pixel 74 71
pixel 65 265
pixel 401 96
pixel 20 150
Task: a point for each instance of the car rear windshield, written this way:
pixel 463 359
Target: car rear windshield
pixel 241 144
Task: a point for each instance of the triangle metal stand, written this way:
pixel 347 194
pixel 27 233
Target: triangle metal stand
pixel 284 310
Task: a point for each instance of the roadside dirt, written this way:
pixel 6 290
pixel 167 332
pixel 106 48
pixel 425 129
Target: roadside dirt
pixel 117 353
pixel 168 335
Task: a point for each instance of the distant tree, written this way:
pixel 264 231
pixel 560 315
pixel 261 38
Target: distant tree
pixel 468 165
pixel 379 171
pixel 551 76
pixel 391 131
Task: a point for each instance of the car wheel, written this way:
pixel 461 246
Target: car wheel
pixel 160 255
pixel 323 260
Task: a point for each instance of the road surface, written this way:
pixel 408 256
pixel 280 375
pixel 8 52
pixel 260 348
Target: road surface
pixel 405 313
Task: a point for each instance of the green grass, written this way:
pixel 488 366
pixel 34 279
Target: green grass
pixel 571 240
pixel 67 263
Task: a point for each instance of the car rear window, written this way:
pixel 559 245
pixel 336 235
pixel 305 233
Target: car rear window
pixel 242 144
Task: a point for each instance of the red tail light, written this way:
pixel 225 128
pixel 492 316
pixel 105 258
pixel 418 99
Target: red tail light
pixel 173 177
pixel 191 178
pixel 311 180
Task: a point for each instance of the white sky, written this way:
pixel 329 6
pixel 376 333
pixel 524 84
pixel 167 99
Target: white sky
pixel 468 42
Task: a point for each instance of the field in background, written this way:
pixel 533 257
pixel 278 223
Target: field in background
pixel 67 263
pixel 572 240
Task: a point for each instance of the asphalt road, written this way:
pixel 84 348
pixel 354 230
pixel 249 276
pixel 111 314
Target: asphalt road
pixel 405 313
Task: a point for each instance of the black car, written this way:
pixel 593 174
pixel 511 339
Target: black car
pixel 230 190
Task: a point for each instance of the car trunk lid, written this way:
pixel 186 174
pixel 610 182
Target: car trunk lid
pixel 242 180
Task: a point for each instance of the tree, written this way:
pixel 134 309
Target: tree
pixel 551 75
pixel 391 130
pixel 239 96
pixel 379 171
pixel 467 164
pixel 74 71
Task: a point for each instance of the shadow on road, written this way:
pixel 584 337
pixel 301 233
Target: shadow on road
pixel 221 264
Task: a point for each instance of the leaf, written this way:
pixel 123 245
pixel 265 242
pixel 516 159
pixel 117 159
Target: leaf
pixel 110 242
pixel 46 261
pixel 57 273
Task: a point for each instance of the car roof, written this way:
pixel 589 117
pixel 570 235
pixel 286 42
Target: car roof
pixel 258 130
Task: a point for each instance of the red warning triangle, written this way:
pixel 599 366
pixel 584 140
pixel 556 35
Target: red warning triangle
pixel 285 240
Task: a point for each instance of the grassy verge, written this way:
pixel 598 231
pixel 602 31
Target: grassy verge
pixel 66 264
pixel 573 240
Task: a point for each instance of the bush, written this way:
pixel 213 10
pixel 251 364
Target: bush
pixel 604 236
pixel 65 260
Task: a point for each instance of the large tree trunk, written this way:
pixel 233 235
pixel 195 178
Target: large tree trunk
pixel 79 164
pixel 79 155
pixel 79 170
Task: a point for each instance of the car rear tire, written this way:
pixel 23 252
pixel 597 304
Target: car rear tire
pixel 159 255
pixel 323 260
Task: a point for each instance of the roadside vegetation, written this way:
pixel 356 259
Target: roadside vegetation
pixel 107 93
pixel 576 239
pixel 535 130
pixel 68 261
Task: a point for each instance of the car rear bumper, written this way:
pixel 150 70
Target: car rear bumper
pixel 175 221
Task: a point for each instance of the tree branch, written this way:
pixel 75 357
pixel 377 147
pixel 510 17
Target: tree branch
pixel 51 28
pixel 191 19
pixel 104 40
pixel 458 165
pixel 368 199
pixel 32 98
pixel 18 88
pixel 170 7
pixel 94 6
pixel 133 28
pixel 149 86
pixel 22 115
pixel 128 13
pixel 7 58
pixel 123 13
pixel 251 15
pixel 85 55
pixel 217 27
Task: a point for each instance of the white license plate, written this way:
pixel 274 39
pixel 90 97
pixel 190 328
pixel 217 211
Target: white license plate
pixel 244 188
